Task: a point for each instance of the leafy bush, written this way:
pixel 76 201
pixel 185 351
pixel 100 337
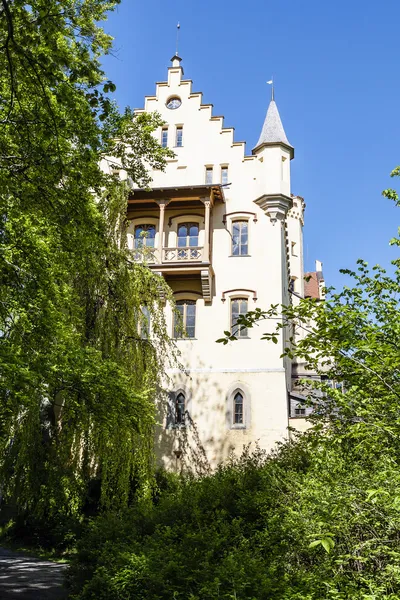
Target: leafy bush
pixel 301 524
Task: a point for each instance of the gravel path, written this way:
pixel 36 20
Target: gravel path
pixel 29 578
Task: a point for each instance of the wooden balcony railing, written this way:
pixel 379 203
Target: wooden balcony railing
pixel 185 254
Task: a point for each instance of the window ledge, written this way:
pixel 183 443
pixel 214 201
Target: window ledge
pixel 185 339
pixel 238 426
pixel 239 256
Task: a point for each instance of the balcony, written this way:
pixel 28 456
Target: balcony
pixel 185 254
pixel 170 231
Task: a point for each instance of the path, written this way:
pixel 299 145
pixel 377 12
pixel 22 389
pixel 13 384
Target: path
pixel 29 578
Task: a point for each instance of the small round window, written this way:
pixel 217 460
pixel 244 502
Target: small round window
pixel 174 102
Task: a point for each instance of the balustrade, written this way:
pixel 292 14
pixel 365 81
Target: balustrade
pixel 183 254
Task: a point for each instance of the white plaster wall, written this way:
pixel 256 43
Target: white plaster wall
pixel 213 368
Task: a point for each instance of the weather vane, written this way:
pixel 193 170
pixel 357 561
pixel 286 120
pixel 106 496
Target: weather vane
pixel 177 38
pixel 271 83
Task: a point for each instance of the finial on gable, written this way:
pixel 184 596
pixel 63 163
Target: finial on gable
pixel 176 59
pixel 177 38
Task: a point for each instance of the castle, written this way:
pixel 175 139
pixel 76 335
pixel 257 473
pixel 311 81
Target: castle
pixel 225 231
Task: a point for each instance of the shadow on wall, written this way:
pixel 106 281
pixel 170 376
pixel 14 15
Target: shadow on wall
pixel 204 439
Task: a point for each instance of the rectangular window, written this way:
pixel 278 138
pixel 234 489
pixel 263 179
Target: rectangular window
pixel 240 237
pixel 238 307
pixel 299 412
pixel 145 323
pixel 185 319
pixel 209 175
pixel 294 251
pixel 224 175
pixel 179 137
pixel 164 137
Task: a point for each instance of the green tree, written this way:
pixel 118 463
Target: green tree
pixel 317 519
pixel 77 383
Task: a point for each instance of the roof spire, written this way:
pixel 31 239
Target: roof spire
pixel 273 132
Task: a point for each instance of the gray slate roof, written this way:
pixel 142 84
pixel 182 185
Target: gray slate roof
pixel 272 131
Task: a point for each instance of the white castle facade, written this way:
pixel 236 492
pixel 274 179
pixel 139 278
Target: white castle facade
pixel 225 232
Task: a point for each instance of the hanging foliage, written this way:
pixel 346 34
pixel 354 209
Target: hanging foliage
pixel 78 381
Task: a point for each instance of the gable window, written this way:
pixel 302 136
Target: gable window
pixel 209 175
pixel 164 137
pixel 145 235
pixel 185 319
pixel 238 307
pixel 180 402
pixel 238 418
pixel 188 235
pixel 179 137
pixel 240 238
pixel 299 412
pixel 224 175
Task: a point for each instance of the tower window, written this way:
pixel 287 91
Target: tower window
pixel 224 175
pixel 164 137
pixel 238 307
pixel 240 238
pixel 209 175
pixel 188 235
pixel 185 319
pixel 284 168
pixel 238 418
pixel 294 250
pixel 180 409
pixel 179 137
pixel 145 236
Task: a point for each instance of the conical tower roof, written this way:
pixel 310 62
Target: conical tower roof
pixel 272 131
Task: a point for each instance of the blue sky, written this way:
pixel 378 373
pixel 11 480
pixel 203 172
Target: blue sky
pixel 336 71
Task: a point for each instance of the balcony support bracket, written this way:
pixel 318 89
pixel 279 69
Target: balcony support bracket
pixel 206 284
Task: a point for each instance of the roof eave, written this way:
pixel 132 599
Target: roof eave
pixel 266 144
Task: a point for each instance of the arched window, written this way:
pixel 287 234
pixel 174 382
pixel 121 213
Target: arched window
pixel 238 412
pixel 240 238
pixel 188 235
pixel 180 408
pixel 239 306
pixel 185 319
pixel 145 235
